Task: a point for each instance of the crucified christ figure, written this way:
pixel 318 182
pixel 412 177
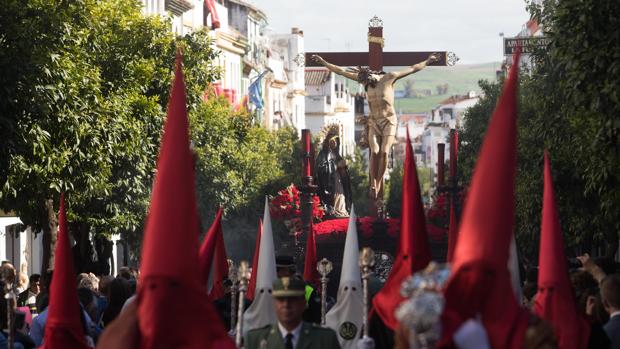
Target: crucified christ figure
pixel 382 121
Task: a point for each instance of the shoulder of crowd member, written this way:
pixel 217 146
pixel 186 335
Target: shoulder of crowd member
pixel 323 331
pixel 254 336
pixel 260 330
pixel 328 337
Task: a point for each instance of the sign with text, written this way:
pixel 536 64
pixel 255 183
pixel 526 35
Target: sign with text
pixel 528 45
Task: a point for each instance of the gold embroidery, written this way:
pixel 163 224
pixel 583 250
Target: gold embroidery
pixel 286 282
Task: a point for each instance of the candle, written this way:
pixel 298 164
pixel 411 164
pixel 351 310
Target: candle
pixel 454 149
pixel 441 148
pixel 306 141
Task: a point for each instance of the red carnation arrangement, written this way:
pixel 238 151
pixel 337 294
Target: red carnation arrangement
pixel 286 206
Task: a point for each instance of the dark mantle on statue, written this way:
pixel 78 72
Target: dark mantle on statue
pixel 382 235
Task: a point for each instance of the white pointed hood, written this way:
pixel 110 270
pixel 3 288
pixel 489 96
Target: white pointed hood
pixel 345 318
pixel 262 311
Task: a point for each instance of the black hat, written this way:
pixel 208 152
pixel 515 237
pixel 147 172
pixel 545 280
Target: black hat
pixel 285 262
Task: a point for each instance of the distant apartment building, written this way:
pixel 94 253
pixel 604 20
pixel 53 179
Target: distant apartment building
pixel 329 102
pixel 237 29
pixel 452 109
pixel 448 115
pixel 285 99
pixel 186 15
pixel 247 53
pixel 416 124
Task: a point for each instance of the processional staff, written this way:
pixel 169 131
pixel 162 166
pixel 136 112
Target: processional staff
pixel 367 262
pixel 232 275
pixel 324 267
pixel 243 274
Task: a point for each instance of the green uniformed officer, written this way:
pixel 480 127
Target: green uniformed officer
pixel 285 266
pixel 290 332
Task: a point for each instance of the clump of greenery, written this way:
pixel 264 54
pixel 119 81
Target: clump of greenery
pixel 569 104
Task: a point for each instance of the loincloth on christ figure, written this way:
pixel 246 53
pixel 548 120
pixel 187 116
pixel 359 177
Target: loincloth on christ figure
pixel 384 125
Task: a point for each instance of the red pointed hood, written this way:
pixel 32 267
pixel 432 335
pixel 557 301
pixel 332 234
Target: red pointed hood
pixel 207 249
pixel 414 252
pixel 480 283
pixel 63 328
pixel 252 284
pixel 311 274
pixel 453 233
pixel 170 273
pixel 554 301
pixel 220 269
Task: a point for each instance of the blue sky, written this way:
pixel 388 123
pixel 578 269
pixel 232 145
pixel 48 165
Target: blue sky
pixel 469 28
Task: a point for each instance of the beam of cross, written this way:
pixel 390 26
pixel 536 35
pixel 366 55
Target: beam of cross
pixel 375 58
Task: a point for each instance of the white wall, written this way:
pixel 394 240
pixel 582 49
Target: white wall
pixel 24 250
pixel 434 135
pixel 339 111
pixel 231 71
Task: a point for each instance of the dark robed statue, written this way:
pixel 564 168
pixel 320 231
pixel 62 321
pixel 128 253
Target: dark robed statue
pixel 334 187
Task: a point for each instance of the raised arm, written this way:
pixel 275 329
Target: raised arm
pixel 414 68
pixel 336 69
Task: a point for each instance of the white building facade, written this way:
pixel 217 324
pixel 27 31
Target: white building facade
pixel 287 103
pixel 448 115
pixel 186 15
pixel 329 102
pixel 22 247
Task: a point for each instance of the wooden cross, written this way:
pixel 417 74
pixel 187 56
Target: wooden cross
pixel 375 58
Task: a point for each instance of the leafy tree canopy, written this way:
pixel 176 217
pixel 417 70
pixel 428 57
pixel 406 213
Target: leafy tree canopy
pixel 569 104
pixel 85 85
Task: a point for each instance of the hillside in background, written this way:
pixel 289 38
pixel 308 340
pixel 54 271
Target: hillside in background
pixel 434 84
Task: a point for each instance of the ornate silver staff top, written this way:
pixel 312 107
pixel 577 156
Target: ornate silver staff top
pixel 367 262
pixel 324 267
pixel 244 275
pixel 421 312
pixel 232 276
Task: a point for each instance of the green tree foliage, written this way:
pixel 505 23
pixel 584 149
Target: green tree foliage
pixel 85 84
pixel 395 191
pixel 569 104
pixel 395 195
pixel 579 75
pixel 358 174
pixel 238 163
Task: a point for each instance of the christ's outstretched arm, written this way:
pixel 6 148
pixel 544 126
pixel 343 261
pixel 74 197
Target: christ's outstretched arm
pixel 336 69
pixel 416 67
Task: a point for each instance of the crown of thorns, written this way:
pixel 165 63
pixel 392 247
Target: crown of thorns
pixel 364 73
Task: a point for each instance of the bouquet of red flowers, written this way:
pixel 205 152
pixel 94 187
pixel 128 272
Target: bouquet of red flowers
pixel 286 206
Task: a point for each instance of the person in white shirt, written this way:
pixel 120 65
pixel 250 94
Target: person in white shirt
pixel 28 298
